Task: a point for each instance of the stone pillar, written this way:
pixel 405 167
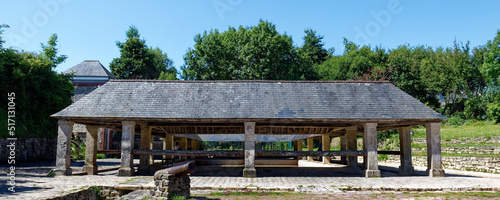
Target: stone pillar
pixel 91 150
pixel 325 144
pixel 434 167
pixel 183 146
pixel 352 145
pixel 406 167
pixel 145 144
pixel 310 143
pixel 168 144
pixel 63 156
pixel 249 171
pixel 370 145
pixel 343 147
pixel 127 158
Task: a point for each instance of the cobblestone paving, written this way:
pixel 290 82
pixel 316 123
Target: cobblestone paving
pixel 32 182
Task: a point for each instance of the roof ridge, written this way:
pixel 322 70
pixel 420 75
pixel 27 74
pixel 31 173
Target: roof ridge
pixel 249 81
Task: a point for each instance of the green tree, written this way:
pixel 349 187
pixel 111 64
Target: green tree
pixel 39 90
pixel 313 49
pixel 163 65
pixel 355 63
pixel 491 66
pixel 257 52
pixel 136 60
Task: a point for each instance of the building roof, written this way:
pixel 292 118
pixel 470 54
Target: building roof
pixel 134 99
pixel 89 68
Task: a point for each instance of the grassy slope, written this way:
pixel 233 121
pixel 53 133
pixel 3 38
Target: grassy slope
pixel 476 129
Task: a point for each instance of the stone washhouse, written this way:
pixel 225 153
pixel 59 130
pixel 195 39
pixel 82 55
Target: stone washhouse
pixel 250 111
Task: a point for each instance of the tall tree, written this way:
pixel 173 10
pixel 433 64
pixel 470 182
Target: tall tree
pixel 163 64
pixel 491 66
pixel 136 60
pixel 39 90
pixel 313 47
pixel 257 52
pixel 354 63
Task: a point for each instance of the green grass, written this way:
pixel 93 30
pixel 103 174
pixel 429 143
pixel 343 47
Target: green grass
pixel 472 129
pixel 129 180
pixel 246 193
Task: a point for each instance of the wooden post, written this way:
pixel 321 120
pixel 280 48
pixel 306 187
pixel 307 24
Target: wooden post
pixel 193 147
pixel 310 143
pixel 63 156
pixel 183 146
pixel 127 158
pixel 145 144
pixel 434 166
pixel 406 167
pixel 343 147
pixel 91 150
pixel 352 145
pixel 151 146
pixel 370 145
pixel 249 170
pixel 299 148
pixel 168 144
pixel 325 140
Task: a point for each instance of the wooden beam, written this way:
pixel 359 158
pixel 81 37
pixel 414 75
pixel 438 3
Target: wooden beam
pixel 241 153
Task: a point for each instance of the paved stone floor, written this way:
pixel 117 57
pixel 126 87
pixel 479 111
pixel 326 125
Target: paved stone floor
pixel 32 182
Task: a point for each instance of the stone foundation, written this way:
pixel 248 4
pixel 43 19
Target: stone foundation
pixel 170 185
pixel 478 164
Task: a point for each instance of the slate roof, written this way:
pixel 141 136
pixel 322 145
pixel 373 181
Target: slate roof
pixel 89 68
pixel 248 99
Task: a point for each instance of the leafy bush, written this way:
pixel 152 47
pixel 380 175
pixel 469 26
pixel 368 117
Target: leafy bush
pixel 494 110
pixel 456 120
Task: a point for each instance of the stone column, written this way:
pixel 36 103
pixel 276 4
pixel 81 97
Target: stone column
pixel 183 146
pixel 63 156
pixel 168 144
pixel 249 171
pixel 352 145
pixel 91 150
pixel 406 167
pixel 127 158
pixel 145 144
pixel 343 147
pixel 310 143
pixel 325 140
pixel 370 145
pixel 434 167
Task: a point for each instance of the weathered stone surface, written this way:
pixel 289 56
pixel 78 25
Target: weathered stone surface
pixel 370 146
pixel 63 148
pixel 126 166
pixel 249 170
pixel 91 150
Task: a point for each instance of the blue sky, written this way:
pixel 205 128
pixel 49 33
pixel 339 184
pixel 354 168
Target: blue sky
pixel 88 30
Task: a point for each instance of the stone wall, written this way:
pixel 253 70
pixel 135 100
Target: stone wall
pixel 169 185
pixel 464 163
pixel 29 150
pixel 492 139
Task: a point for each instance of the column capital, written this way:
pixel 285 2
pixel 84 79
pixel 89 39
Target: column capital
pixel 128 123
pixel 64 122
pixel 370 125
pixel 351 128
